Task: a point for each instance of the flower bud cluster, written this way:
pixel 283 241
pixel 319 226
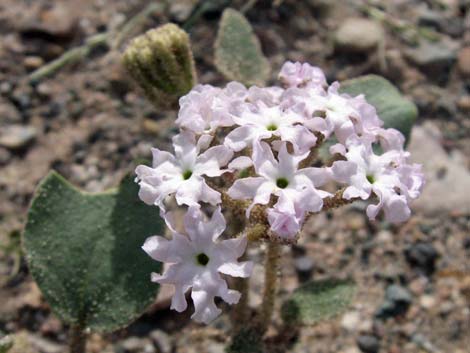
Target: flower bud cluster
pixel 255 149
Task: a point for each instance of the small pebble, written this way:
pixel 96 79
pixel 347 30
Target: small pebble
pixel 368 344
pixel 33 62
pixel 463 62
pixel 358 35
pixel 422 256
pixel 15 137
pixel 162 340
pixel 464 103
pixel 351 321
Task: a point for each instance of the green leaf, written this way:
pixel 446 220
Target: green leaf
pixel 395 110
pixel 84 251
pixel 238 52
pixel 317 301
pixel 247 340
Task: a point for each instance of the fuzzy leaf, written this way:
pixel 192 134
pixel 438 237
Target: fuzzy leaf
pixel 317 301
pixel 84 251
pixel 248 340
pixel 395 110
pixel 238 52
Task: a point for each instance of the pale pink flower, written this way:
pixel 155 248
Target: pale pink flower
pixel 183 174
pixel 206 108
pixel 269 96
pixel 196 260
pixel 301 75
pixel 280 178
pixel 387 176
pixel 265 122
pixel 331 112
pixel 286 225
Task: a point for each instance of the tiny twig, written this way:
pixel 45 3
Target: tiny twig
pixel 69 57
pixel 136 21
pixel 248 5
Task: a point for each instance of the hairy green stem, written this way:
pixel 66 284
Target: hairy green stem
pixel 240 311
pixel 270 284
pixel 77 339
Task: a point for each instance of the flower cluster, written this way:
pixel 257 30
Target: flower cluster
pixel 255 150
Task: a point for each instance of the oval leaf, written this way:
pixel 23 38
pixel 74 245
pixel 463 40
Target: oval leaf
pixel 84 251
pixel 395 110
pixel 238 52
pixel 317 301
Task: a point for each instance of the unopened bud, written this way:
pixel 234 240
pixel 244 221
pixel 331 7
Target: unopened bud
pixel 161 62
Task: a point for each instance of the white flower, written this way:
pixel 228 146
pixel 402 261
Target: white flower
pixel 270 96
pixel 206 108
pixel 387 176
pixel 196 261
pixel 331 112
pixel 183 173
pixel 265 122
pixel 301 75
pixel 285 225
pixel 280 178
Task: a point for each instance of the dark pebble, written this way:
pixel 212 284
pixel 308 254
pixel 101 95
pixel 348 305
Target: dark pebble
pixel 397 302
pixel 422 257
pixel 368 344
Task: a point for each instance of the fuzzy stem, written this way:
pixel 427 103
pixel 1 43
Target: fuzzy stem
pixel 270 284
pixel 240 311
pixel 77 339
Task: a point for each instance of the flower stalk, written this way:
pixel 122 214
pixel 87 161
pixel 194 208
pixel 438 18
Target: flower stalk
pixel 273 254
pixel 77 339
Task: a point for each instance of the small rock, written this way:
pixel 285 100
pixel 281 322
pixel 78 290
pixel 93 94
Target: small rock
pixel 446 176
pixel 162 341
pixel 424 343
pixel 397 302
pixel 464 103
pixel 430 18
pixel 422 256
pixel 358 35
pixel 5 156
pixel 21 343
pixel 33 62
pixel 304 267
pixel 214 347
pixel 9 113
pixel 137 345
pixel 44 345
pixel 59 21
pixel 15 137
pixel 350 350
pixel 351 321
pixel 368 343
pixel 398 294
pixel 463 62
pixel 151 126
pixel 180 10
pixel 433 57
pixel 51 326
pixel 427 301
